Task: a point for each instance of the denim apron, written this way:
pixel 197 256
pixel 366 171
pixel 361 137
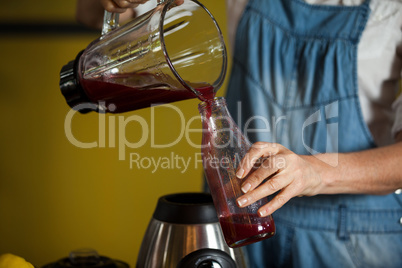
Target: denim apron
pixel 294 82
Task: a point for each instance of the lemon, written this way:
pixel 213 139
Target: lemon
pixel 12 261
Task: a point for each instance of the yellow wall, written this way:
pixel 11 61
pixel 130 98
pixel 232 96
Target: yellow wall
pixel 54 196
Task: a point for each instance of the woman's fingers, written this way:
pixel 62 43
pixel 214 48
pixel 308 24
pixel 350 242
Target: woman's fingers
pixel 129 3
pixel 271 186
pixel 282 172
pixel 257 151
pixel 286 186
pixel 120 6
pixel 278 201
pixel 265 169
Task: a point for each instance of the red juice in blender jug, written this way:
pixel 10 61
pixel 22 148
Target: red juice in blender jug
pixel 141 90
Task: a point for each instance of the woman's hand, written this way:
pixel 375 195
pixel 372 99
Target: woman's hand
pixel 280 170
pixel 90 12
pixel 375 171
pixel 120 6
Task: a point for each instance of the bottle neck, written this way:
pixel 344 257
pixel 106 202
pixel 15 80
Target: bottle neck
pixel 213 108
pixel 215 116
pixel 219 126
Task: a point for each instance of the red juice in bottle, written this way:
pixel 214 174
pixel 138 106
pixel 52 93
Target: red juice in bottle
pixel 238 232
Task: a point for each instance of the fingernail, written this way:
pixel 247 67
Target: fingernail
pixel 240 173
pixel 246 187
pixel 241 201
pixel 263 213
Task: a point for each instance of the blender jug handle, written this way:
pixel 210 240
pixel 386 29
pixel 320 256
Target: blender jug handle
pixel 110 22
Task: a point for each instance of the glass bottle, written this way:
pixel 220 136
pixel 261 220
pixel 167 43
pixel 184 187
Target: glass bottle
pixel 223 146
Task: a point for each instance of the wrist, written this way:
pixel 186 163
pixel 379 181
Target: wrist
pixel 327 169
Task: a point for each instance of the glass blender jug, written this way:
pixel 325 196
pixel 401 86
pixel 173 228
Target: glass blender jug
pixel 171 53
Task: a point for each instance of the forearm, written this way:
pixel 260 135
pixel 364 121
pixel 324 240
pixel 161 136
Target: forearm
pixel 89 13
pixel 374 171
